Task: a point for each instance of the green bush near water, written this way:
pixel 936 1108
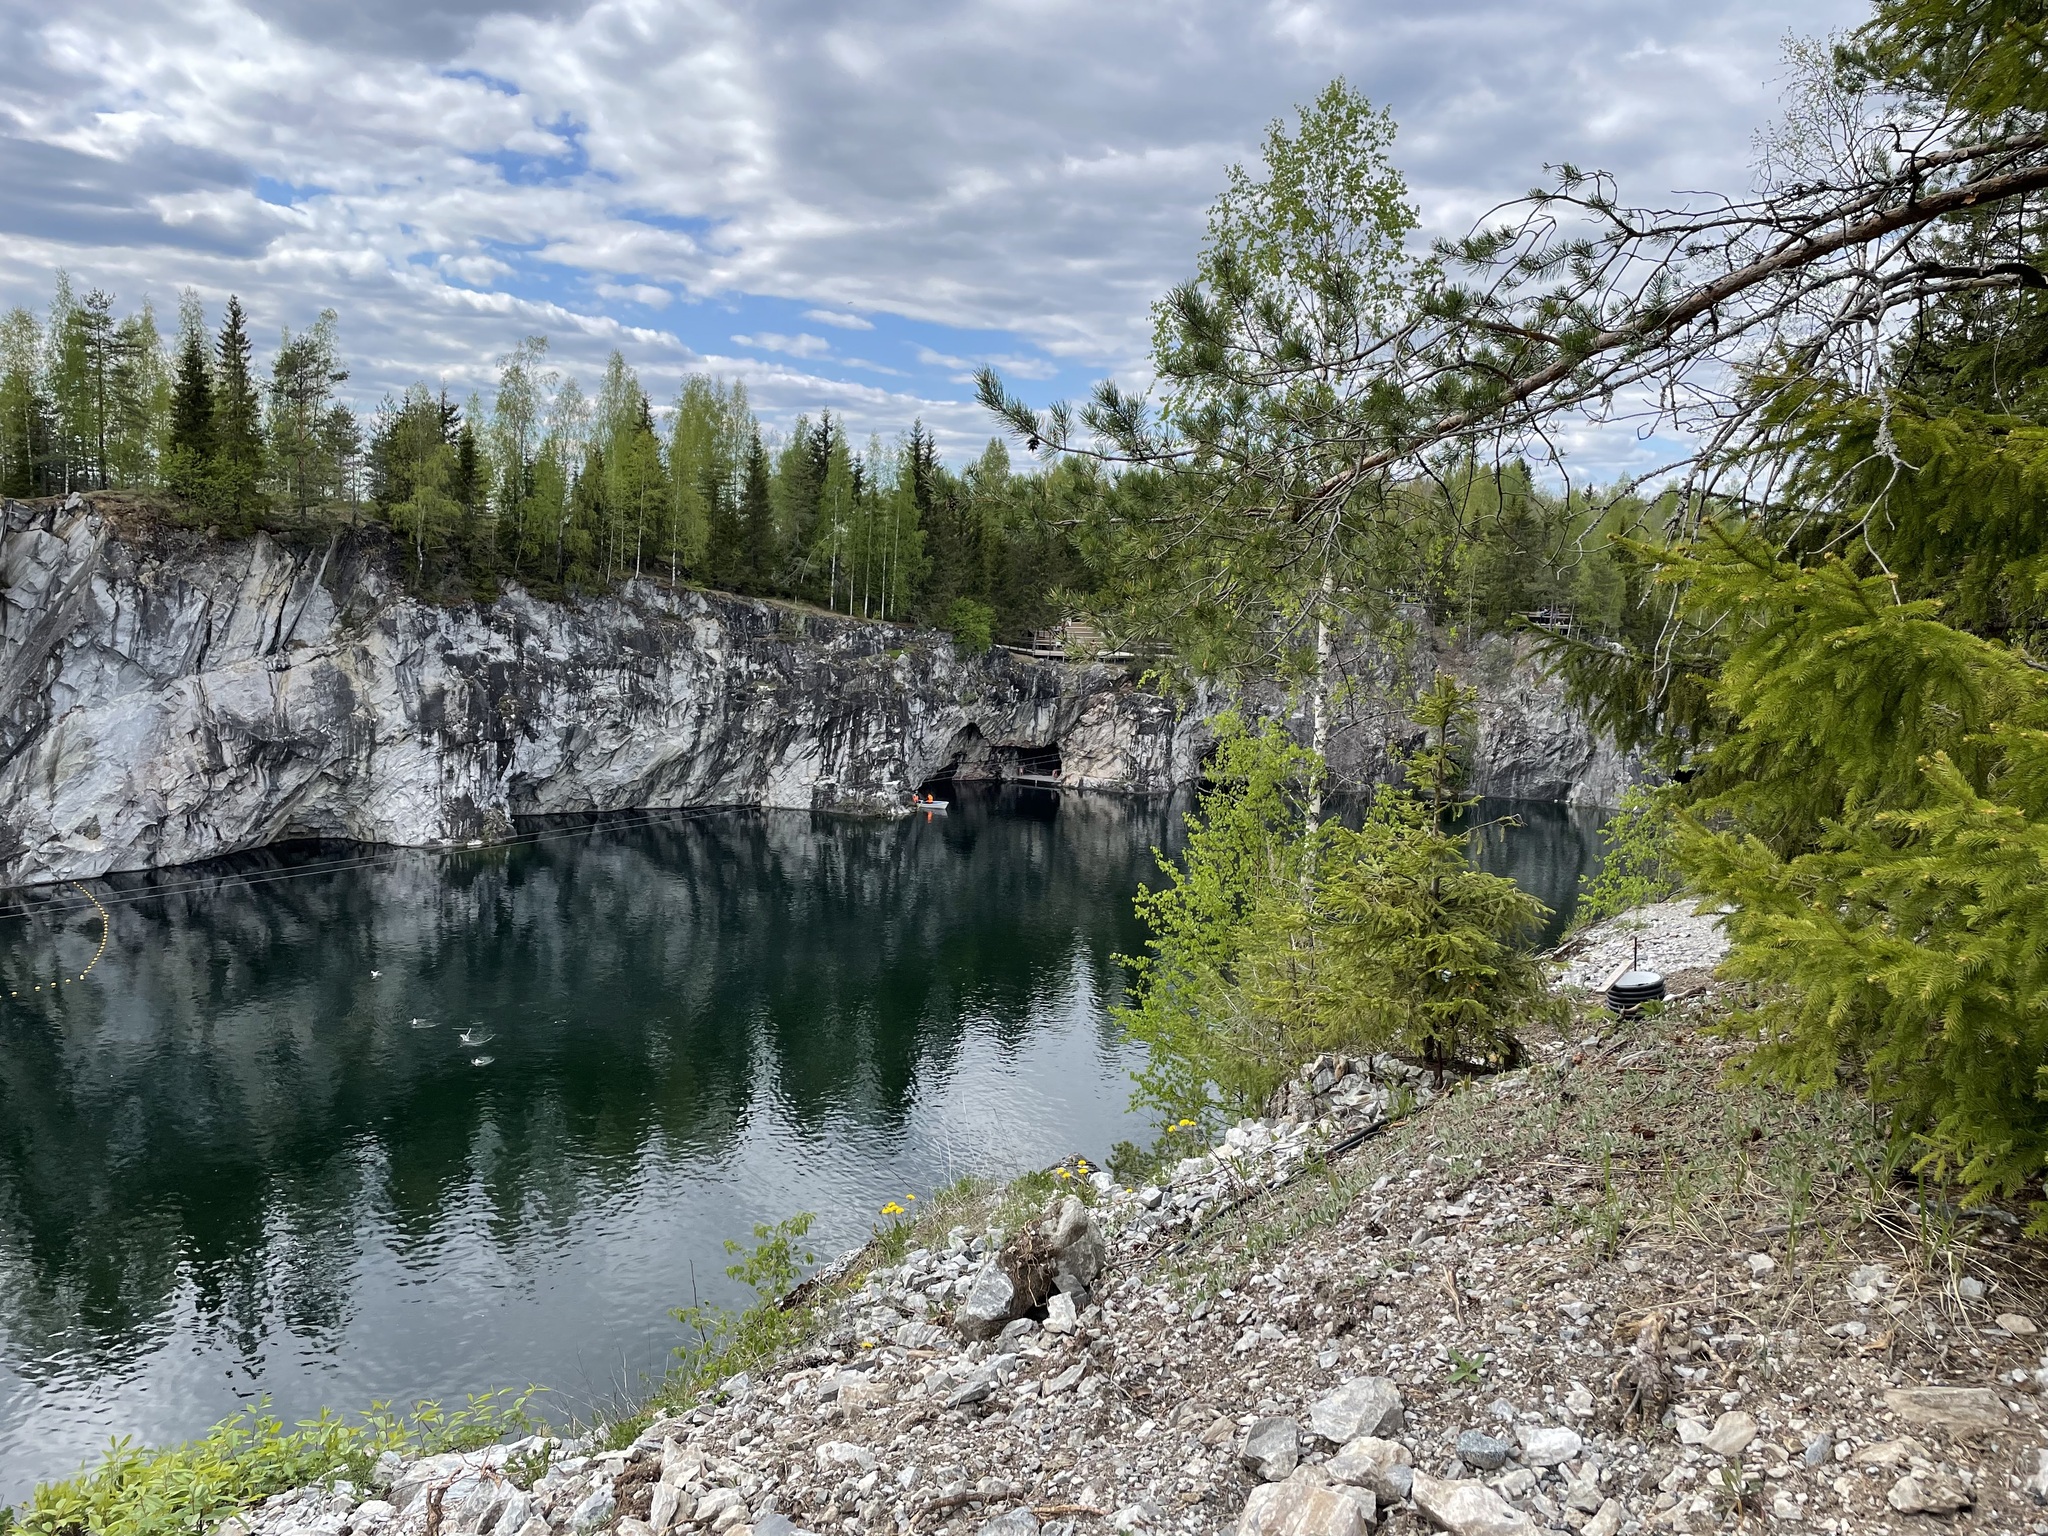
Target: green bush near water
pixel 245 1459
pixel 1638 858
pixel 1276 936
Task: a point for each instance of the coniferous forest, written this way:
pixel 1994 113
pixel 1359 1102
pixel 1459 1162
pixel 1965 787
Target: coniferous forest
pixel 563 488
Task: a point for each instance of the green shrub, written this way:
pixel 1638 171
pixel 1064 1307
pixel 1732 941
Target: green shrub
pixel 971 624
pixel 1272 940
pixel 723 1341
pixel 1425 955
pixel 244 1459
pixel 1638 858
pixel 1880 829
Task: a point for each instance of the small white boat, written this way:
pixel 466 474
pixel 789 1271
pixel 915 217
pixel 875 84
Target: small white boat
pixel 930 805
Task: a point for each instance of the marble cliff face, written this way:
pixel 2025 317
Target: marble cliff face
pixel 166 696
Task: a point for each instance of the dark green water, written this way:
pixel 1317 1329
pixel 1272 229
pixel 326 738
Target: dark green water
pixel 251 1155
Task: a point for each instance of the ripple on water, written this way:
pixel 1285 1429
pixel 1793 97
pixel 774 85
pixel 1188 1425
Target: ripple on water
pixel 243 1178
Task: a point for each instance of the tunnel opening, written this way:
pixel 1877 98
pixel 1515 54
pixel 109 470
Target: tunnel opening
pixel 966 758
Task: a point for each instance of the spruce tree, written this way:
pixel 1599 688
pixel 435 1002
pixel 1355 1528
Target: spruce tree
pixel 757 517
pixel 236 465
pixel 466 486
pixel 726 551
pixel 188 458
pixel 1879 824
pixel 1272 939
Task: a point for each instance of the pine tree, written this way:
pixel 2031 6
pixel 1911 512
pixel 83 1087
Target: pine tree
pixel 1860 695
pixel 301 398
pixel 235 470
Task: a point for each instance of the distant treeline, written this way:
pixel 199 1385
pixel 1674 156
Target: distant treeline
pixel 563 490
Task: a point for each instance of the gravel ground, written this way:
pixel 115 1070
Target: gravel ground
pixel 1674 940
pixel 1608 1293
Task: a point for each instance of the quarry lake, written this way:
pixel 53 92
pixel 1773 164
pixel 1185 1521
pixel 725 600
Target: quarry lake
pixel 332 1125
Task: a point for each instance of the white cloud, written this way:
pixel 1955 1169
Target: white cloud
pixel 636 293
pixel 1013 366
pixel 460 171
pixel 803 344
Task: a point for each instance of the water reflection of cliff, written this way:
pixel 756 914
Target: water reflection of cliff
pixel 231 1092
pixel 1548 850
pixel 230 1164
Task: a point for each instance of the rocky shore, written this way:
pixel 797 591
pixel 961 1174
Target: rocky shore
pixel 1603 1294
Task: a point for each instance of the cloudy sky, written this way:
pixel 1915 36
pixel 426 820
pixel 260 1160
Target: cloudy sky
pixel 848 206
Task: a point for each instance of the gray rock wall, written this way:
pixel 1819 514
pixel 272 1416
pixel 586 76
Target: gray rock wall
pixel 166 696
pixel 1532 745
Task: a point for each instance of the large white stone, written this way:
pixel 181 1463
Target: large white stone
pixel 1466 1508
pixel 1548 1445
pixel 1365 1405
pixel 1301 1508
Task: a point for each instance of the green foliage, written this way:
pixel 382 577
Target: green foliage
pixel 1133 1164
pixel 969 622
pixel 189 447
pixel 312 439
pixel 758 554
pixel 1985 58
pixel 723 1341
pixel 1467 1368
pixel 245 1459
pixel 1638 857
pixel 542 484
pixel 235 488
pixel 24 406
pixel 1879 826
pixel 1272 940
pixel 1262 517
pixel 1214 1004
pixel 1426 955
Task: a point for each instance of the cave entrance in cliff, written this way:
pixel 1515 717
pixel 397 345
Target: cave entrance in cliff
pixel 965 756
